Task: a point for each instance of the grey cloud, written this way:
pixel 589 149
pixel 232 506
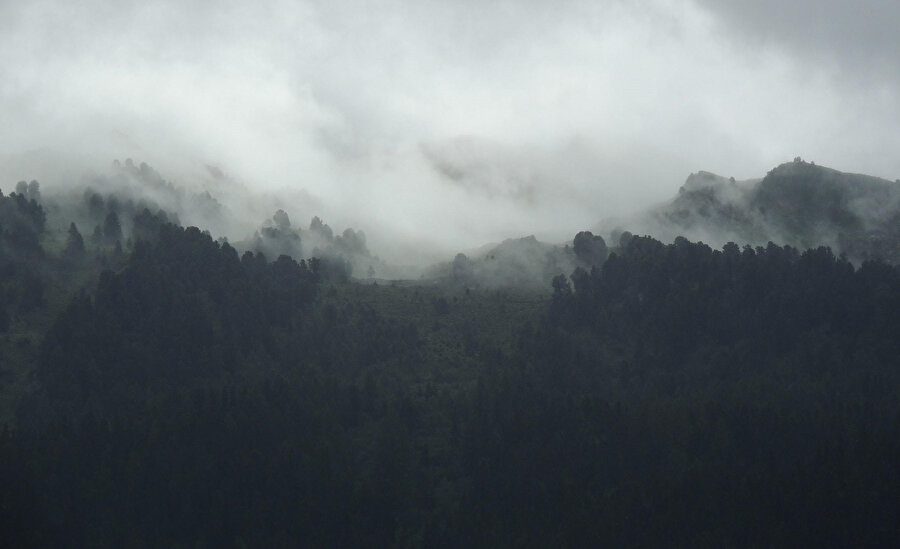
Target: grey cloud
pixel 483 168
pixel 447 123
pixel 859 35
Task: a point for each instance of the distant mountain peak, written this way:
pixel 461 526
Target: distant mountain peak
pixel 797 203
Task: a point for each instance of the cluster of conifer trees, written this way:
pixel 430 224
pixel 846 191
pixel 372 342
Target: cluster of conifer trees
pixel 675 395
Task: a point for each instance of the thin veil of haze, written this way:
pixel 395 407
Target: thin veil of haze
pixel 449 124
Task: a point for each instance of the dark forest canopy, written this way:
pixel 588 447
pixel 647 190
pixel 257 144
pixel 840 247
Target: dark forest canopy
pixel 162 388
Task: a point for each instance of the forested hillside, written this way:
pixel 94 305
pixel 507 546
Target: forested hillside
pixel 161 388
pixel 797 203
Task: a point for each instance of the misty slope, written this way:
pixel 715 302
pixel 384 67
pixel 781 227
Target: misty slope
pixel 515 262
pixel 796 203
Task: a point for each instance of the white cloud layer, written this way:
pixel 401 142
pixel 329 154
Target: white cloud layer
pixel 453 123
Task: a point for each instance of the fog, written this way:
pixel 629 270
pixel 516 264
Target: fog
pixel 441 126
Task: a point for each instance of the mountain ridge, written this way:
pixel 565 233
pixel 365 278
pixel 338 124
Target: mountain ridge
pixel 797 203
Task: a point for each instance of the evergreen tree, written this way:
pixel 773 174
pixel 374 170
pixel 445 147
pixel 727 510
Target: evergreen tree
pixel 74 243
pixel 4 319
pixel 590 249
pixel 112 229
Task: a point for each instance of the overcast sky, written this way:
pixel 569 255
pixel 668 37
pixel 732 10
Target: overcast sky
pixel 467 121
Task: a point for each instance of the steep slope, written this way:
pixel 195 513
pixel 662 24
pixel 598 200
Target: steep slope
pixel 809 205
pixel 797 203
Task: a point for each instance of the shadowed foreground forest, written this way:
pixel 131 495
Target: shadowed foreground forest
pixel 168 391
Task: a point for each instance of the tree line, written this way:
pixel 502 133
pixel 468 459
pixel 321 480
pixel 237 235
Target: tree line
pixel 672 395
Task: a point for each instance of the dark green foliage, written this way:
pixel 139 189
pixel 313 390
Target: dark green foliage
pixel 275 241
pixel 29 191
pixel 97 236
pixel 4 319
pixel 95 204
pixel 676 396
pixel 147 226
pixel 31 291
pixel 683 304
pixel 576 472
pixel 441 307
pixel 755 391
pixel 332 266
pixel 22 223
pixel 74 243
pixel 665 396
pixel 589 249
pixel 185 307
pixel 112 229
